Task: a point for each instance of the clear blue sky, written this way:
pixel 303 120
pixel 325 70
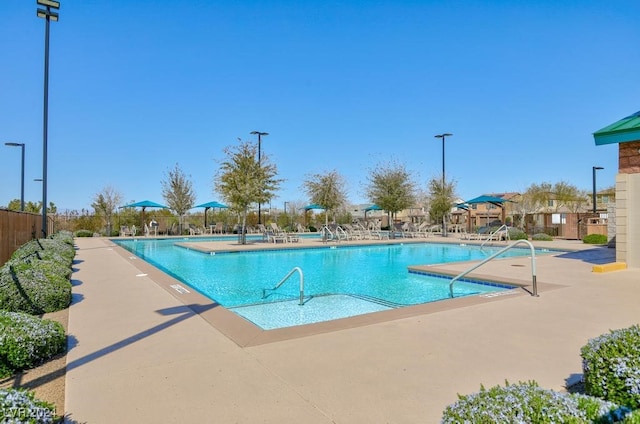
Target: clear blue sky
pixel 138 86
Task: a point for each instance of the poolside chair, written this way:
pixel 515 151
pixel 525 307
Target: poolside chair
pixel 194 230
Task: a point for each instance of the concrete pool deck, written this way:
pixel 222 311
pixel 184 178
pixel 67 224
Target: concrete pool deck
pixel 143 351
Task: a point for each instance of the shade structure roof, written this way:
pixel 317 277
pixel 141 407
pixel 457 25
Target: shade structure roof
pixel 497 201
pixel 313 206
pixel 622 131
pixel 213 204
pixel 145 204
pixel 373 208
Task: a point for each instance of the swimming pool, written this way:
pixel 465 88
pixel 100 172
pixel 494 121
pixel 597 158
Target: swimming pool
pixel 340 281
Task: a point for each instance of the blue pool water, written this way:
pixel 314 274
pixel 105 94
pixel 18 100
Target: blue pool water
pixel 339 281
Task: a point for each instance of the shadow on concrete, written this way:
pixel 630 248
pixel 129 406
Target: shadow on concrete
pixel 597 255
pixel 182 313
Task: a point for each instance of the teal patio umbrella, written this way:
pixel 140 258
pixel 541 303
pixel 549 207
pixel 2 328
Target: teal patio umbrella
pixel 316 206
pixel 144 204
pixel 210 205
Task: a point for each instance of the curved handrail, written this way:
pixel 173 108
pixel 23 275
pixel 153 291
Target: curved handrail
pixel 500 252
pixel 286 277
pixel 490 238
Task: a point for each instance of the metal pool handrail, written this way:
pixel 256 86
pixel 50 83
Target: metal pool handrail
pixel 500 252
pixel 490 238
pixel 264 291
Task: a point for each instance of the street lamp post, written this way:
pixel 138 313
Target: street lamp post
pixel 285 213
pixel 48 15
pixel 259 134
pixel 21 174
pixel 443 136
pixel 595 168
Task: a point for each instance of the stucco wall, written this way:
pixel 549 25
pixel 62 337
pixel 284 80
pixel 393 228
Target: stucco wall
pixel 628 219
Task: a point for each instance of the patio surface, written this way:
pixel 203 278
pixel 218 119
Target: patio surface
pixel 141 351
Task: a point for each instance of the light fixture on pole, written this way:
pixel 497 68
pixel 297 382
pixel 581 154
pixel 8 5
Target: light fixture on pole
pixel 21 174
pixel 595 168
pixel 259 134
pixel 48 15
pixel 443 136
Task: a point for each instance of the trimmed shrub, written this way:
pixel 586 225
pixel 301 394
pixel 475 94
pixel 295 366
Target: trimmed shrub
pixel 611 365
pixel 516 234
pixel 37 277
pixel 34 288
pixel 86 233
pixel 542 237
pixel 27 341
pixel 529 403
pixel 21 406
pixel 595 239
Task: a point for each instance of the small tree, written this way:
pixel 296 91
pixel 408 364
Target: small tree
pixel 441 197
pixel 177 191
pixel 242 180
pixel 105 204
pixel 391 187
pixel 327 190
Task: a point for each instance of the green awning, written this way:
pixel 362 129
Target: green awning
pixel 626 129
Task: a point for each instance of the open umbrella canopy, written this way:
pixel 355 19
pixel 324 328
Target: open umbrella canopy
pixel 208 206
pixel 213 204
pixel 313 206
pixel 373 207
pixel 144 204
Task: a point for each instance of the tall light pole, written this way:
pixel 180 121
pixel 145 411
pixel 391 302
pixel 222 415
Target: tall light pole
pixel 285 213
pixel 443 136
pixel 48 15
pixel 21 174
pixel 259 134
pixel 595 168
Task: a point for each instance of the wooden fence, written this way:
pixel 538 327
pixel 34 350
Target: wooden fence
pixel 17 228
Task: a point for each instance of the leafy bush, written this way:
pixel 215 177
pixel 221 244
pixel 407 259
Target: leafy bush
pixel 529 403
pixel 516 234
pixel 611 365
pixel 84 233
pixel 37 277
pixel 21 406
pixel 542 237
pixel 595 239
pixel 26 341
pixel 33 288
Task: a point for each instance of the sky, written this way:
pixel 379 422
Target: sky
pixel 138 88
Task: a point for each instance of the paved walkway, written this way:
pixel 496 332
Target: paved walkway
pixel 140 355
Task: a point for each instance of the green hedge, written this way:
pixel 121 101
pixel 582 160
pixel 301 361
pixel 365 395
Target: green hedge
pixel 611 365
pixel 595 239
pixel 27 341
pixel 36 279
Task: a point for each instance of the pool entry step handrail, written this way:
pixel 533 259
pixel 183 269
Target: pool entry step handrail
pixel 490 238
pixel 498 253
pixel 286 277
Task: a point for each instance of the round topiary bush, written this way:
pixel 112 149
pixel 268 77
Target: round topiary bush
pixel 595 239
pixel 21 406
pixel 26 341
pixel 542 237
pixel 611 365
pixel 529 403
